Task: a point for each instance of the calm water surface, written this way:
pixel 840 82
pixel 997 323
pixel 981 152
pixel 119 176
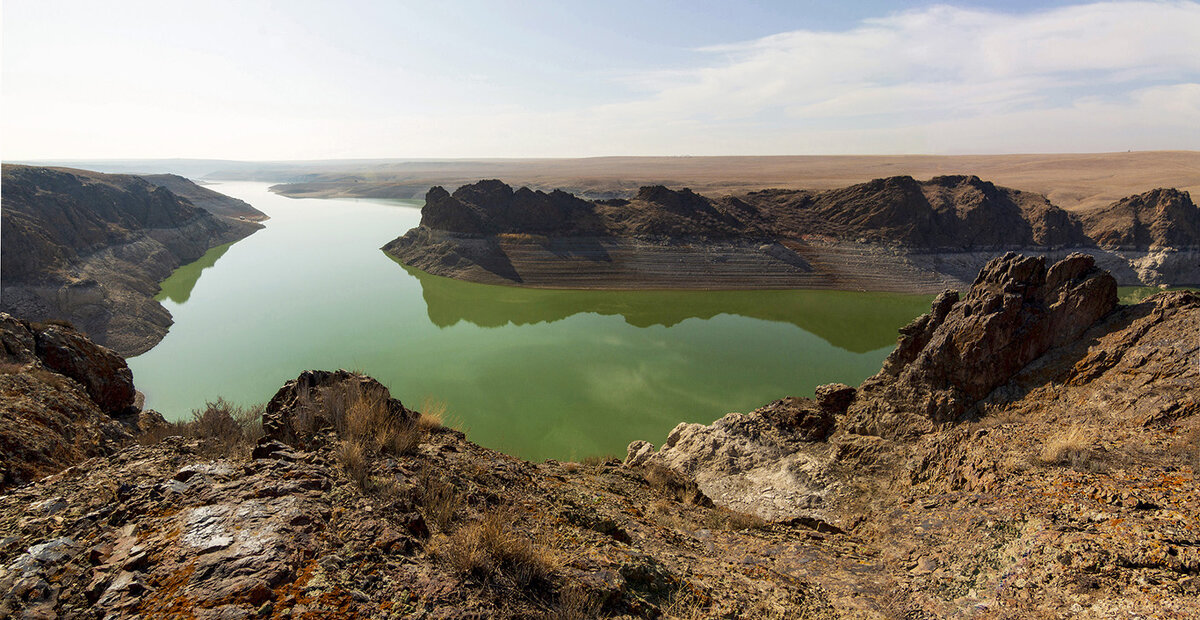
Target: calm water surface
pixel 534 373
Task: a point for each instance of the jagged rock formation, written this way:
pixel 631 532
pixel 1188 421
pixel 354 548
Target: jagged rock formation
pixel 62 399
pixel 952 358
pixel 1041 439
pixel 1160 218
pixel 888 234
pixel 91 248
pixel 200 196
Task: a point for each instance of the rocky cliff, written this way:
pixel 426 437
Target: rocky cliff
pixel 1052 472
pixel 895 233
pixel 64 399
pixel 91 249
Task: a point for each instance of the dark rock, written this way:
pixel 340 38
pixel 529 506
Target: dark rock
pixel 834 397
pixel 104 374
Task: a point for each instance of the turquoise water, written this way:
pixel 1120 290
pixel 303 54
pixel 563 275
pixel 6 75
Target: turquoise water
pixel 534 373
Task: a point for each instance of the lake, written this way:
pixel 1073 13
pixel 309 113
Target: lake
pixel 534 373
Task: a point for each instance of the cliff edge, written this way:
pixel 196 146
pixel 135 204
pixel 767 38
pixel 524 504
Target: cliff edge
pixel 91 248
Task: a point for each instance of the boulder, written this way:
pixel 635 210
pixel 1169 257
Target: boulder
pixel 104 374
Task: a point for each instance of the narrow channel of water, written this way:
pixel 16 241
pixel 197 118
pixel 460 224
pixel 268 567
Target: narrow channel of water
pixel 534 373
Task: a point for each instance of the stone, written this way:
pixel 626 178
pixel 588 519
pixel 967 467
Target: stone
pixel 102 373
pixel 834 397
pixel 638 452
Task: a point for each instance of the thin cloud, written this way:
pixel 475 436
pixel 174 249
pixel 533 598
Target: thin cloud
pixel 919 70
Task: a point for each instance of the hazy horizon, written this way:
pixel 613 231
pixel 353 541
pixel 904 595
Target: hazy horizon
pixel 473 80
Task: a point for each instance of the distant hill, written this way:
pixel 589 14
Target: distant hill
pixel 91 248
pixel 207 199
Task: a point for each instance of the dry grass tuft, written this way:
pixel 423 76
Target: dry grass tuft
pixel 439 500
pixel 53 379
pixel 433 414
pixel 1071 447
pixel 353 459
pixel 491 549
pixel 687 604
pixel 598 461
pixel 8 368
pixel 575 603
pixel 673 484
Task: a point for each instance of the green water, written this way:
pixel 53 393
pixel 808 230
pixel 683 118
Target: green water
pixel 534 373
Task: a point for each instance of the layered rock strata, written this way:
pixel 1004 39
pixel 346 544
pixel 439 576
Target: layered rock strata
pixel 893 234
pixel 91 249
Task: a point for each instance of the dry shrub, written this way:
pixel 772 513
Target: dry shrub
pixel 228 429
pixel 673 484
pixel 1071 447
pixel 491 549
pixel 53 379
pixel 8 368
pixel 439 500
pixel 575 603
pixel 368 419
pixel 668 515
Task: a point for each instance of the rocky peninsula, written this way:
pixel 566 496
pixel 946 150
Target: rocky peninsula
pixel 1030 449
pixel 890 234
pixel 91 248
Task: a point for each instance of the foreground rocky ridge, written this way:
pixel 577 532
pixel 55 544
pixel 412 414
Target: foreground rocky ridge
pixel 998 466
pixel 91 248
pixel 889 234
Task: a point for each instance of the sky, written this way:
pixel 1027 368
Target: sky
pixel 289 80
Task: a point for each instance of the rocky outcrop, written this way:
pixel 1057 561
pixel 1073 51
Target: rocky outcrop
pixel 63 399
pixel 1021 449
pixel 91 248
pixel 1158 219
pixel 946 212
pixel 896 233
pixel 200 196
pixel 320 400
pixel 953 357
